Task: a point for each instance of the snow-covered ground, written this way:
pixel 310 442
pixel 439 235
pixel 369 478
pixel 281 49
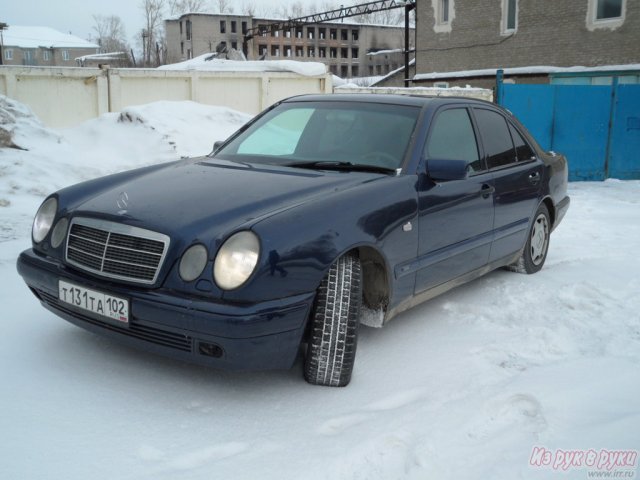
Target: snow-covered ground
pixel 462 387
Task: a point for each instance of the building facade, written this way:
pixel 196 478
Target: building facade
pixel 345 47
pixel 464 35
pixel 43 46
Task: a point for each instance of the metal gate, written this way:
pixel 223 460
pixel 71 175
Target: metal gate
pixel 596 126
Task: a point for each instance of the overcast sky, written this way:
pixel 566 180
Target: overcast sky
pixel 75 16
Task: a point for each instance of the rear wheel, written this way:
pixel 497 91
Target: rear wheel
pixel 535 251
pixel 331 349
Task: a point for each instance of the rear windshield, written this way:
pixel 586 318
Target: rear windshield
pixel 360 133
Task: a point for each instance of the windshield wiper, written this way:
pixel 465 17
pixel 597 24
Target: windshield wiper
pixel 335 165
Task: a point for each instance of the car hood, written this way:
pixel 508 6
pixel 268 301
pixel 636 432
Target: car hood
pixel 209 196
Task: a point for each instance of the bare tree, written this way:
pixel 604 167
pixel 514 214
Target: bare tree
pixel 110 33
pixel 224 6
pixel 180 7
pixel 152 33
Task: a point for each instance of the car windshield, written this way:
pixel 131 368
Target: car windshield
pixel 326 135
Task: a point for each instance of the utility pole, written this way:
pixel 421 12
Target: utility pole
pixel 3 26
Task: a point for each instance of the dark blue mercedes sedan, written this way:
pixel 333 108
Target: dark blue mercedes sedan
pixel 319 209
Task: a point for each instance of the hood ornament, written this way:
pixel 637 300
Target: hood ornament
pixel 122 202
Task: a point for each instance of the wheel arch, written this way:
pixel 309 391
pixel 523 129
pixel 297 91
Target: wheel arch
pixel 376 285
pixel 551 209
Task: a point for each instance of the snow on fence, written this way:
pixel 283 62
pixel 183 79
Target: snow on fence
pixel 64 96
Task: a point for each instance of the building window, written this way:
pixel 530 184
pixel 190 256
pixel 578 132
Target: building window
pixel 298 32
pixel 355 53
pixel 275 33
pixel 8 54
pixel 180 27
pixel 333 69
pixel 354 70
pixel 608 9
pixel 344 35
pixel 344 71
pixel 189 53
pixel 275 51
pixel 322 33
pixel 65 55
pixel 509 16
pixel 299 52
pixel 441 84
pixel 311 52
pixel 354 35
pixel 181 48
pixel 606 13
pixel 333 34
pixel 322 52
pixel 223 26
pixel 234 45
pixel 263 30
pixel 262 50
pixel 344 52
pixel 444 11
pixel 333 52
pixel 188 28
pixel 234 27
pixel 287 33
pixel 311 32
pixel 371 70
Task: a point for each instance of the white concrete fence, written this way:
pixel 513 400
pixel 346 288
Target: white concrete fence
pixel 66 96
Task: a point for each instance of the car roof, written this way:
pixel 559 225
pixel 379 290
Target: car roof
pixel 415 100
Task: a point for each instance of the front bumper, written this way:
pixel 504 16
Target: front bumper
pixel 249 337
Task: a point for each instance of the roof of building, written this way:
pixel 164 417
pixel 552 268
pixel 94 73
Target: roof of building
pixel 35 37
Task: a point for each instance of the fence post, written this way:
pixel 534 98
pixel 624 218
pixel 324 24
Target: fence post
pixel 499 90
pixel 612 113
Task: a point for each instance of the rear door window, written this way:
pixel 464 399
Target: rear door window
pixel 523 151
pixel 496 139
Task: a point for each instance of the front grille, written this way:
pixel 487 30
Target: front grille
pixel 141 332
pixel 115 250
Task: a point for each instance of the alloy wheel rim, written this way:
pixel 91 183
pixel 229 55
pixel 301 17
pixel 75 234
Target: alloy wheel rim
pixel 539 239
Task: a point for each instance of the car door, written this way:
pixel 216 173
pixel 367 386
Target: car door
pixel 455 216
pixel 517 176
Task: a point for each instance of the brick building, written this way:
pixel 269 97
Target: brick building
pixel 43 46
pixel 462 35
pixel 345 47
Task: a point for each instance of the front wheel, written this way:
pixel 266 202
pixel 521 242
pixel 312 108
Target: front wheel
pixel 537 246
pixel 331 349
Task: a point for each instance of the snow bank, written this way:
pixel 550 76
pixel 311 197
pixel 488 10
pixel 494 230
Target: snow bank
pixel 138 136
pixel 207 63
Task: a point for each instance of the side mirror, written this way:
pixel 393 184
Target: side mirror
pixel 443 170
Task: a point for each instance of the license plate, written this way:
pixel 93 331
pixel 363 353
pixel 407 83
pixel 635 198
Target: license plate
pixel 103 304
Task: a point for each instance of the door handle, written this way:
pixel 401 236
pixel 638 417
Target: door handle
pixel 487 190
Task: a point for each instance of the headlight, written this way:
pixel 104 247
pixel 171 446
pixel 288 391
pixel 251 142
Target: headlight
pixel 44 219
pixel 236 260
pixel 59 232
pixel 193 262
